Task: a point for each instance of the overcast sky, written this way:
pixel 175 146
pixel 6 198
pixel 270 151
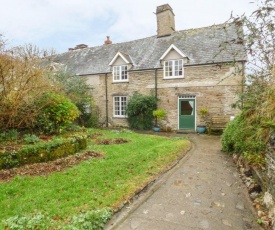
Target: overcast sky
pixel 60 24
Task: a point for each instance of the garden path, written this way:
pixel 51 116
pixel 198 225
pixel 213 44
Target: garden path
pixel 203 191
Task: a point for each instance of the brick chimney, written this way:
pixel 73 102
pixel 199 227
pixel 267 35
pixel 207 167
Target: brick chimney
pixel 108 41
pixel 165 20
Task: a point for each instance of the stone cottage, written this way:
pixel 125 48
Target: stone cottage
pixel 186 70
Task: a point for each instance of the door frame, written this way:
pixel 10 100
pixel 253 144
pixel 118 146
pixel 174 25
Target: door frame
pixel 193 97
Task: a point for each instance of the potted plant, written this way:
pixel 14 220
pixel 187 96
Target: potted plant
pixel 158 114
pixel 203 113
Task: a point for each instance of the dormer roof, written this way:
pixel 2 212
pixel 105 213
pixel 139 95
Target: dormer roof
pixel 173 47
pixel 125 57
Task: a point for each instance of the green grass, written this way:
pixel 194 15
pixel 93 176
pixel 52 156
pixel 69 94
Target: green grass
pixel 94 184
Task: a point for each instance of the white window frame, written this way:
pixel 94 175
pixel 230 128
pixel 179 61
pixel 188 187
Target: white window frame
pixel 120 73
pixel 119 106
pixel 172 71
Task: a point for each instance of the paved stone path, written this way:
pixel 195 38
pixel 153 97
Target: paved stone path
pixel 203 191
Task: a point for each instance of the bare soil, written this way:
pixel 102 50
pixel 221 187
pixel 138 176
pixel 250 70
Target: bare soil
pixel 42 169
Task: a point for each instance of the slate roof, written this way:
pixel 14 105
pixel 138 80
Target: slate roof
pixel 201 46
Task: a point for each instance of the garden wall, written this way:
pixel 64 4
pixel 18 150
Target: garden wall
pixel 270 164
pixel 269 198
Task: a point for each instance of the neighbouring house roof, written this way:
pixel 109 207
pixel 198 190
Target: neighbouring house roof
pixel 201 46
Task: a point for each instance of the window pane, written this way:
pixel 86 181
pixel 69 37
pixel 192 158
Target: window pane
pixel 123 105
pixel 124 72
pixel 116 73
pixel 173 68
pixel 116 105
pixel 187 107
pixel 180 65
pixel 120 105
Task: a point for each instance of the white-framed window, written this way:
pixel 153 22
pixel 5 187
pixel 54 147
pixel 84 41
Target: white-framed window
pixel 119 107
pixel 120 73
pixel 173 68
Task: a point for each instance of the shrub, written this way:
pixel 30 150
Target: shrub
pixel 30 139
pixel 232 135
pixel 89 116
pixel 159 114
pixel 77 90
pixel 9 135
pixel 140 111
pixel 43 152
pixel 28 222
pixel 240 136
pixel 57 112
pixel 95 219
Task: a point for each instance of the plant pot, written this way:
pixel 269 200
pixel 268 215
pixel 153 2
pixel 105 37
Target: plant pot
pixel 201 128
pixel 156 129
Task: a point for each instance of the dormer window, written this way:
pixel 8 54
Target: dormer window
pixel 120 73
pixel 173 60
pixel 173 68
pixel 120 65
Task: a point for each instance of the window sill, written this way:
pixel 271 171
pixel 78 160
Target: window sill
pixel 123 117
pixel 167 78
pixel 115 82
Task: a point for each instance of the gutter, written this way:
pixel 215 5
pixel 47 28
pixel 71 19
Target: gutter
pixel 186 65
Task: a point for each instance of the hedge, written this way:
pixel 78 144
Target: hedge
pixel 42 152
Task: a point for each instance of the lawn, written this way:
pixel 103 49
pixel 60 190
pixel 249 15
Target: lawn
pixel 75 194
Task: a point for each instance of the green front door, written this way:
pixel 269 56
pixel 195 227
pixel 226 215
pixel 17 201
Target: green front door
pixel 187 114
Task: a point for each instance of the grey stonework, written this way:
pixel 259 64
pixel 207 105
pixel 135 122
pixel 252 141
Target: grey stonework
pixel 215 87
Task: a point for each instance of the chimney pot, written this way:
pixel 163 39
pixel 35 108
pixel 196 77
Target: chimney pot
pixel 81 46
pixel 108 41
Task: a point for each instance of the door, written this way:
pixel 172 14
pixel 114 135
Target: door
pixel 187 108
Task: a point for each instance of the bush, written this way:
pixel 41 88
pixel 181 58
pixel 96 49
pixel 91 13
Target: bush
pixel 77 90
pixel 95 219
pixel 9 135
pixel 57 112
pixel 240 137
pixel 30 139
pixel 89 116
pixel 28 222
pixel 140 111
pixel 43 152
pixel 233 136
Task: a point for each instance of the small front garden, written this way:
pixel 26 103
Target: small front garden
pixel 82 191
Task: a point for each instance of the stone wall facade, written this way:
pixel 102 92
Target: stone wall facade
pixel 214 86
pixel 270 165
pixel 269 197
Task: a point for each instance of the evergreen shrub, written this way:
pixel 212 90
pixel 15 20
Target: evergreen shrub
pixel 140 111
pixel 43 151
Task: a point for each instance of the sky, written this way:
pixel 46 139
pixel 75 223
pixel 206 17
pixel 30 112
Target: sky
pixel 63 24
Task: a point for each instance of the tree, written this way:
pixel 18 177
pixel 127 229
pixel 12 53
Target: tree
pixel 257 101
pixel 76 88
pixel 22 81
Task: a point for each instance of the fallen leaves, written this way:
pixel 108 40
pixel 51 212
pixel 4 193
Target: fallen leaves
pixel 111 141
pixel 40 169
